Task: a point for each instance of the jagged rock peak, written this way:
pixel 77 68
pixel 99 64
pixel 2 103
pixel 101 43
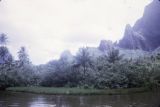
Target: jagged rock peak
pixel 145 34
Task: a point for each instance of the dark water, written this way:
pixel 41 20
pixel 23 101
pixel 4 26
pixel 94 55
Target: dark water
pixel 13 99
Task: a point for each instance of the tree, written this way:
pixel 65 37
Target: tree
pixel 23 56
pixel 5 56
pixel 83 59
pixel 26 69
pixel 3 39
pixel 113 55
pixel 6 60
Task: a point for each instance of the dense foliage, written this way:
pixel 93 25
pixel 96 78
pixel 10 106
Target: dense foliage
pixel 110 70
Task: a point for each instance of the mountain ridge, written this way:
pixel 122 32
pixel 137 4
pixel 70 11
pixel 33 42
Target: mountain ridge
pixel 145 34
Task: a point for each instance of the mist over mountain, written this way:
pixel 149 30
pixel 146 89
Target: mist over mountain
pixel 145 34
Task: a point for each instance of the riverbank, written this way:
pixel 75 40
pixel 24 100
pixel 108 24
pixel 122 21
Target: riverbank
pixel 75 91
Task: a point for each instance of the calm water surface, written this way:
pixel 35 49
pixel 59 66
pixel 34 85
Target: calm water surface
pixel 13 99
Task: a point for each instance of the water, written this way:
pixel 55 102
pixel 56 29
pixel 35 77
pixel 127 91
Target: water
pixel 13 99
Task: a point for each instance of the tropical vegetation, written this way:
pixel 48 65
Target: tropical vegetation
pixel 109 70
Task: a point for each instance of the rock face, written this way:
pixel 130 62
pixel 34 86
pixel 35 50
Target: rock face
pixel 105 45
pixel 145 34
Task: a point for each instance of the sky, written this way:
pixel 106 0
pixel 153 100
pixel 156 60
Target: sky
pixel 48 27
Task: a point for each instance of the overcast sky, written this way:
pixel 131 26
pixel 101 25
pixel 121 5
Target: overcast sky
pixel 47 27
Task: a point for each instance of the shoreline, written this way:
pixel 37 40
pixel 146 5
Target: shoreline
pixel 76 91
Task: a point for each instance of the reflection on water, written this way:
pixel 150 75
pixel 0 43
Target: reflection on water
pixel 13 99
pixel 40 102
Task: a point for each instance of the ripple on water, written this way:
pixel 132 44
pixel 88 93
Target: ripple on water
pixel 104 106
pixel 14 105
pixel 42 105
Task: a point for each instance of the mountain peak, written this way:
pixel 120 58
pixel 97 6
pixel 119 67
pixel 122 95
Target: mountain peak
pixel 145 34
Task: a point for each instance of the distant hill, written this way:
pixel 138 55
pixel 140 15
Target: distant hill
pixel 145 34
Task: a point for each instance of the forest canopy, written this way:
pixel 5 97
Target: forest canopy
pixel 106 69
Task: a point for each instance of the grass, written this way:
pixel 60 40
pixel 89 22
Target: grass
pixel 75 91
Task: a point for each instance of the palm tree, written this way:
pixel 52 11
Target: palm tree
pixel 3 39
pixel 23 56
